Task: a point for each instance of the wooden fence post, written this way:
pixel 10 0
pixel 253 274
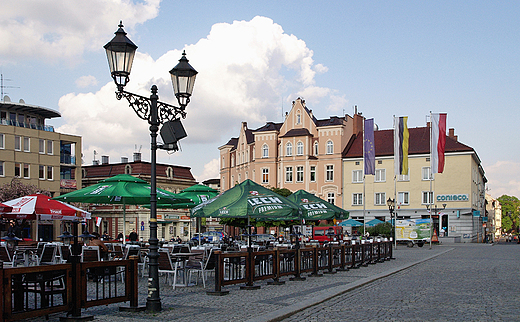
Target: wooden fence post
pixel 219 275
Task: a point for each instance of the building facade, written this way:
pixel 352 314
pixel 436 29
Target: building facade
pixel 457 194
pixel 171 222
pixel 33 152
pixel 494 218
pixel 300 153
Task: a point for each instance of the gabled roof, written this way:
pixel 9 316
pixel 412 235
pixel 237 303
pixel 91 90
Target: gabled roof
pixel 250 138
pixel 384 143
pixel 269 126
pixel 233 142
pixel 296 132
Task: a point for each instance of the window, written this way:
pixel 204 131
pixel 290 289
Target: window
pixel 330 147
pixel 288 174
pixel 316 148
pixel 2 141
pixel 26 144
pixel 330 173
pixel 265 175
pixel 41 147
pixel 41 172
pixel 313 173
pixel 426 173
pixel 265 151
pixel 17 170
pixel 128 170
pixel 26 171
pixel 403 198
pixel 49 147
pixel 288 149
pixel 17 143
pixel 357 199
pixel 357 176
pixel 49 173
pixel 239 177
pixel 427 197
pixel 2 169
pixel 380 175
pixel 403 177
pixel 299 174
pixel 298 118
pixel 380 199
pixel 331 197
pixel 232 161
pixel 299 148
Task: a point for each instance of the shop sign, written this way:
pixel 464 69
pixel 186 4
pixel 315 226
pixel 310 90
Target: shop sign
pixel 453 197
pixel 68 184
pixel 171 216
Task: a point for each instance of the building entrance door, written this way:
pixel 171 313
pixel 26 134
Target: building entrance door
pixel 444 224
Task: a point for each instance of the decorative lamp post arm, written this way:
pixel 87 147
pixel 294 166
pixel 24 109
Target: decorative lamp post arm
pixel 142 107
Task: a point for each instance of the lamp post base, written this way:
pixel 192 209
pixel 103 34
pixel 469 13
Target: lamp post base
pixel 153 306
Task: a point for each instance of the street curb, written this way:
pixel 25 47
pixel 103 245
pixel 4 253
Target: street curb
pixel 325 295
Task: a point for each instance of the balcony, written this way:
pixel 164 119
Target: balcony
pixel 67 159
pixel 47 128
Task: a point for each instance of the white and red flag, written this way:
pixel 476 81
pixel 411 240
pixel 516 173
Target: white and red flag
pixel 438 141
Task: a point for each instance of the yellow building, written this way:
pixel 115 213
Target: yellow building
pixel 461 187
pixel 300 153
pixel 33 152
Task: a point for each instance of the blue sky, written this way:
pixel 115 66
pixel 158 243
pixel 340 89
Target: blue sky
pixel 255 57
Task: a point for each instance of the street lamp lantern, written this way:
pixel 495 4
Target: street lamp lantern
pixel 120 54
pixel 391 205
pixel 183 79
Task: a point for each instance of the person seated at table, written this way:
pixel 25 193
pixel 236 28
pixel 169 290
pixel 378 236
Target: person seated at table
pixel 106 236
pixel 95 241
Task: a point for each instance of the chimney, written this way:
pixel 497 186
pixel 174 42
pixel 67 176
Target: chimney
pixel 137 156
pixel 95 162
pixel 452 135
pixel 124 159
pixel 104 159
pixel 358 123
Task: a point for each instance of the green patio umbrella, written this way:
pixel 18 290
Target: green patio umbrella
pixel 121 189
pixel 196 194
pixel 247 200
pixel 315 208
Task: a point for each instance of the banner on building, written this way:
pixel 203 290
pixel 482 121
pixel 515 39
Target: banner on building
pixel 401 143
pixel 438 141
pixel 369 151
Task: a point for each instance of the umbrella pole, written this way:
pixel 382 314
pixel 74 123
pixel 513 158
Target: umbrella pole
pixel 124 220
pixel 199 228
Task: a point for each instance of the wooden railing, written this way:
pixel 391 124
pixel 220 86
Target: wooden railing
pixel 247 267
pixel 28 292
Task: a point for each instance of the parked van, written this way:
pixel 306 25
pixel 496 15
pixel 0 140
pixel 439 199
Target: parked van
pixel 321 233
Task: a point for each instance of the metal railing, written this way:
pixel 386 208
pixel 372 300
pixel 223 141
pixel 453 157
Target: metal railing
pixel 247 267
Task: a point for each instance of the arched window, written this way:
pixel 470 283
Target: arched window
pixel 232 161
pixel 330 147
pixel 299 148
pixel 128 169
pixel 223 165
pixel 169 173
pixel 298 117
pixel 288 149
pixel 265 151
pixel 316 148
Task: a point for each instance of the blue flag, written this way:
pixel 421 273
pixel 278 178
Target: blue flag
pixel 369 150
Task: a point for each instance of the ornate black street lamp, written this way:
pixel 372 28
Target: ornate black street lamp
pixel 391 208
pixel 120 53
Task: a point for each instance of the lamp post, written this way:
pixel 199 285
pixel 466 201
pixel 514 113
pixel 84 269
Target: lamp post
pixel 120 54
pixel 435 210
pixel 391 208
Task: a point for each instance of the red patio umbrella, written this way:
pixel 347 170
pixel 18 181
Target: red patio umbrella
pixel 5 208
pixel 32 206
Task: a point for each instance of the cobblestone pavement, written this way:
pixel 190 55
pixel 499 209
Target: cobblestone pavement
pixel 473 282
pixel 451 282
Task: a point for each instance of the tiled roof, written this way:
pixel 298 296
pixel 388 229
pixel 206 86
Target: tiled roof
pixel 333 120
pixel 296 132
pixel 384 143
pixel 138 167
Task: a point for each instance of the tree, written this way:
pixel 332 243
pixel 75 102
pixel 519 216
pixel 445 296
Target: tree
pixel 17 189
pixel 510 212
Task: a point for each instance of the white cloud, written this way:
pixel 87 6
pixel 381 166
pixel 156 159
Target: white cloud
pixel 86 81
pixel 52 30
pixel 503 178
pixel 211 171
pixel 244 70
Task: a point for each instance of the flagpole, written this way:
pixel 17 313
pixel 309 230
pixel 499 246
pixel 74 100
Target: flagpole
pixel 395 194
pixel 364 161
pixel 430 197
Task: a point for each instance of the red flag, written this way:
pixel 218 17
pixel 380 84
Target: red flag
pixel 438 143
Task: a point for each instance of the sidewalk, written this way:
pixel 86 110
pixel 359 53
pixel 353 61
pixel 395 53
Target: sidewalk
pixel 269 303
